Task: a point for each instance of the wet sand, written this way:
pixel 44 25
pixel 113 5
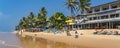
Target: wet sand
pixel 28 42
pixel 9 40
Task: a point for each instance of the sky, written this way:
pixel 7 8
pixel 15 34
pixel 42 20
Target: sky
pixel 11 11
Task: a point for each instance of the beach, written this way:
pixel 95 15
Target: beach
pixel 87 40
pixel 60 24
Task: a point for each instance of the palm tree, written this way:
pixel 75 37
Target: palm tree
pixel 42 17
pixel 58 20
pixel 83 5
pixel 31 20
pixel 22 23
pixel 71 5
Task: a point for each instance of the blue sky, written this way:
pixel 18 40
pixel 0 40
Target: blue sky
pixel 11 11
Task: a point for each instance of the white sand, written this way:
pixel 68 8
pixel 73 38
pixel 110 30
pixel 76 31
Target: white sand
pixel 88 39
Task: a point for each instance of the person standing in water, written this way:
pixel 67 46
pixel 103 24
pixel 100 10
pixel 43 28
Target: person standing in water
pixel 21 32
pixel 76 34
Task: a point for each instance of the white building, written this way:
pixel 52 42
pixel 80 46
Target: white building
pixel 105 16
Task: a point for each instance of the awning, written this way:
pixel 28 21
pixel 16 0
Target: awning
pixel 69 21
pixel 72 23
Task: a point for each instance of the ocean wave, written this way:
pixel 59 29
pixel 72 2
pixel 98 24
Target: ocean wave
pixel 5 44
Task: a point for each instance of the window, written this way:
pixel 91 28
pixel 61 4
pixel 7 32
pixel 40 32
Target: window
pixel 97 10
pixel 117 15
pixel 115 6
pixel 89 11
pixel 94 18
pixel 99 17
pixel 112 16
pixel 90 18
pixel 105 8
pixel 104 17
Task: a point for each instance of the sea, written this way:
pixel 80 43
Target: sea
pixel 9 40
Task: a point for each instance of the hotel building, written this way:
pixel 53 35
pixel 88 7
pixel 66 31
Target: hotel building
pixel 105 16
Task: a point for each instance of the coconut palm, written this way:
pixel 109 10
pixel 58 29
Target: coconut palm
pixel 42 14
pixel 22 23
pixel 83 5
pixel 31 20
pixel 42 17
pixel 71 5
pixel 58 20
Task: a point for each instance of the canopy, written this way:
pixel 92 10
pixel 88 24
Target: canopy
pixel 70 22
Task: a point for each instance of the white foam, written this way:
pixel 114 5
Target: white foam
pixel 5 44
pixel 2 42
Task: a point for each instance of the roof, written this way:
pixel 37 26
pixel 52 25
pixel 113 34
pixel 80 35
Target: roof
pixel 105 4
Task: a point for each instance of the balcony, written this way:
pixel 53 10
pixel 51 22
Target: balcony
pixel 103 20
pixel 104 9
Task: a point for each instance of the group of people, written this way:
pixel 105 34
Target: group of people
pixel 107 32
pixel 113 33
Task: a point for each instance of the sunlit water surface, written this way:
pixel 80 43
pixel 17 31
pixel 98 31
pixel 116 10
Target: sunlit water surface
pixel 9 40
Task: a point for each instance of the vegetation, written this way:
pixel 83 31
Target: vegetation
pixel 71 4
pixel 83 6
pixel 57 20
pixel 33 21
pixel 78 5
pixel 42 18
pixel 41 21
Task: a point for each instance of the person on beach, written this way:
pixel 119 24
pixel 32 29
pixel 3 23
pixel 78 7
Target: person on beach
pixel 68 33
pixel 76 34
pixel 110 33
pixel 116 33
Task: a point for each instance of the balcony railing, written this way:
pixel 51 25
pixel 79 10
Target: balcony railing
pixel 101 11
pixel 102 20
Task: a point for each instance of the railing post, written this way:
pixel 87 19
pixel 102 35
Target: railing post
pixel 109 6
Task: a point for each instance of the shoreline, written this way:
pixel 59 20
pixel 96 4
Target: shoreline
pixel 87 40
